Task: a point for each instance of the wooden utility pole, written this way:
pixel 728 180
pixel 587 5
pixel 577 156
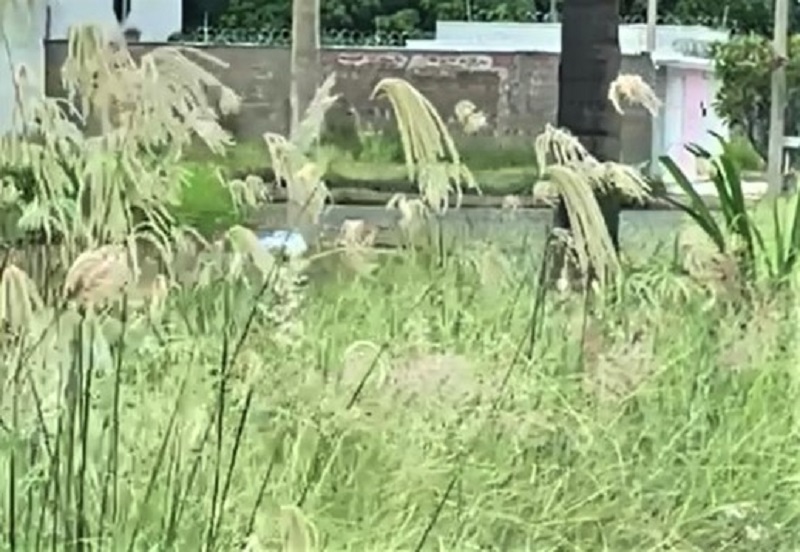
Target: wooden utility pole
pixel 777 115
pixel 305 59
pixel 305 75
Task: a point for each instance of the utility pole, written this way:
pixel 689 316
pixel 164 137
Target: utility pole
pixel 306 71
pixel 652 20
pixel 650 46
pixel 777 115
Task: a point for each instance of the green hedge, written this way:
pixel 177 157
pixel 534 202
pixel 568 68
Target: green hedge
pixel 205 202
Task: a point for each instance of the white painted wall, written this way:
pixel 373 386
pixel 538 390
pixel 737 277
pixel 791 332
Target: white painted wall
pixel 156 19
pixel 713 121
pixel 671 123
pixel 65 13
pixel 546 37
pixel 24 30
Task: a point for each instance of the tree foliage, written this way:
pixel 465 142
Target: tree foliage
pixel 744 65
pixel 414 16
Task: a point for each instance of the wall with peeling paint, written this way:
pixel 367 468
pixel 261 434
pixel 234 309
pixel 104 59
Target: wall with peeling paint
pixel 518 92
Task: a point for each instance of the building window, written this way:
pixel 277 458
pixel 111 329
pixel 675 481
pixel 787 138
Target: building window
pixel 122 9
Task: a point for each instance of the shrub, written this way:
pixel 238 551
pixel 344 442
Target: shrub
pixel 744 65
pixel 743 153
pixel 205 202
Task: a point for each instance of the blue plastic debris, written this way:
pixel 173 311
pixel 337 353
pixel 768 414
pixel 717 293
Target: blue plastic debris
pixel 289 242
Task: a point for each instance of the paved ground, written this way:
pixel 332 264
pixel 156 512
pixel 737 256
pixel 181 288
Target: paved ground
pixel 640 230
pixel 752 188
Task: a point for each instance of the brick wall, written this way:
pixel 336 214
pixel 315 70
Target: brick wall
pixel 518 92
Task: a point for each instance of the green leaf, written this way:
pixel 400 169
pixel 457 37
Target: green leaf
pixel 697 209
pixel 794 240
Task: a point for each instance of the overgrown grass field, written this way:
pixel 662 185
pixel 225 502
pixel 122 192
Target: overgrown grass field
pixel 446 402
pixel 164 391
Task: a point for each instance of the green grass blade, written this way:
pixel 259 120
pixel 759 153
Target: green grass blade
pixel 740 222
pixel 726 200
pixel 780 257
pixel 758 238
pixel 697 208
pixel 794 238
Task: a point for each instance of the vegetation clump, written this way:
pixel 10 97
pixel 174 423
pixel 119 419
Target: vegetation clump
pixel 437 396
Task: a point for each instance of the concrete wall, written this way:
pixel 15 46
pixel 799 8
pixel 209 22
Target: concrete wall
pixel 517 91
pixel 156 19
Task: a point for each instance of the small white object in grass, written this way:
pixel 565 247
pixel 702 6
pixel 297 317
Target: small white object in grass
pixel 289 242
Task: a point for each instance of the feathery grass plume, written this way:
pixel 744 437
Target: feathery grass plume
pixel 544 191
pixel 248 192
pixel 99 276
pixel 106 163
pixel 577 176
pixel 591 239
pixel 511 206
pixel 19 298
pixel 471 119
pixel 308 132
pixel 566 150
pixel 413 214
pixel 634 90
pixel 165 92
pixel 431 156
pixel 157 296
pixel 294 164
pixel 357 238
pixel 356 233
pixel 247 249
pixel 511 203
pixel 189 246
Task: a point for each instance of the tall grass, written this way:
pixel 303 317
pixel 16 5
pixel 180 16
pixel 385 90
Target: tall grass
pixel 427 414
pixel 444 400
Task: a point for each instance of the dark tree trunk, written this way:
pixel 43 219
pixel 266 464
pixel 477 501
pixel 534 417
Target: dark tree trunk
pixel 590 61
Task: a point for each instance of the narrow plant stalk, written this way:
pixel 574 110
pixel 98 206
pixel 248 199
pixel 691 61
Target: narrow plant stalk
pixel 237 441
pixel 262 487
pixel 156 468
pixel 73 391
pixel 33 460
pixel 220 419
pixel 174 484
pixel 12 464
pixel 110 478
pixel 82 533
